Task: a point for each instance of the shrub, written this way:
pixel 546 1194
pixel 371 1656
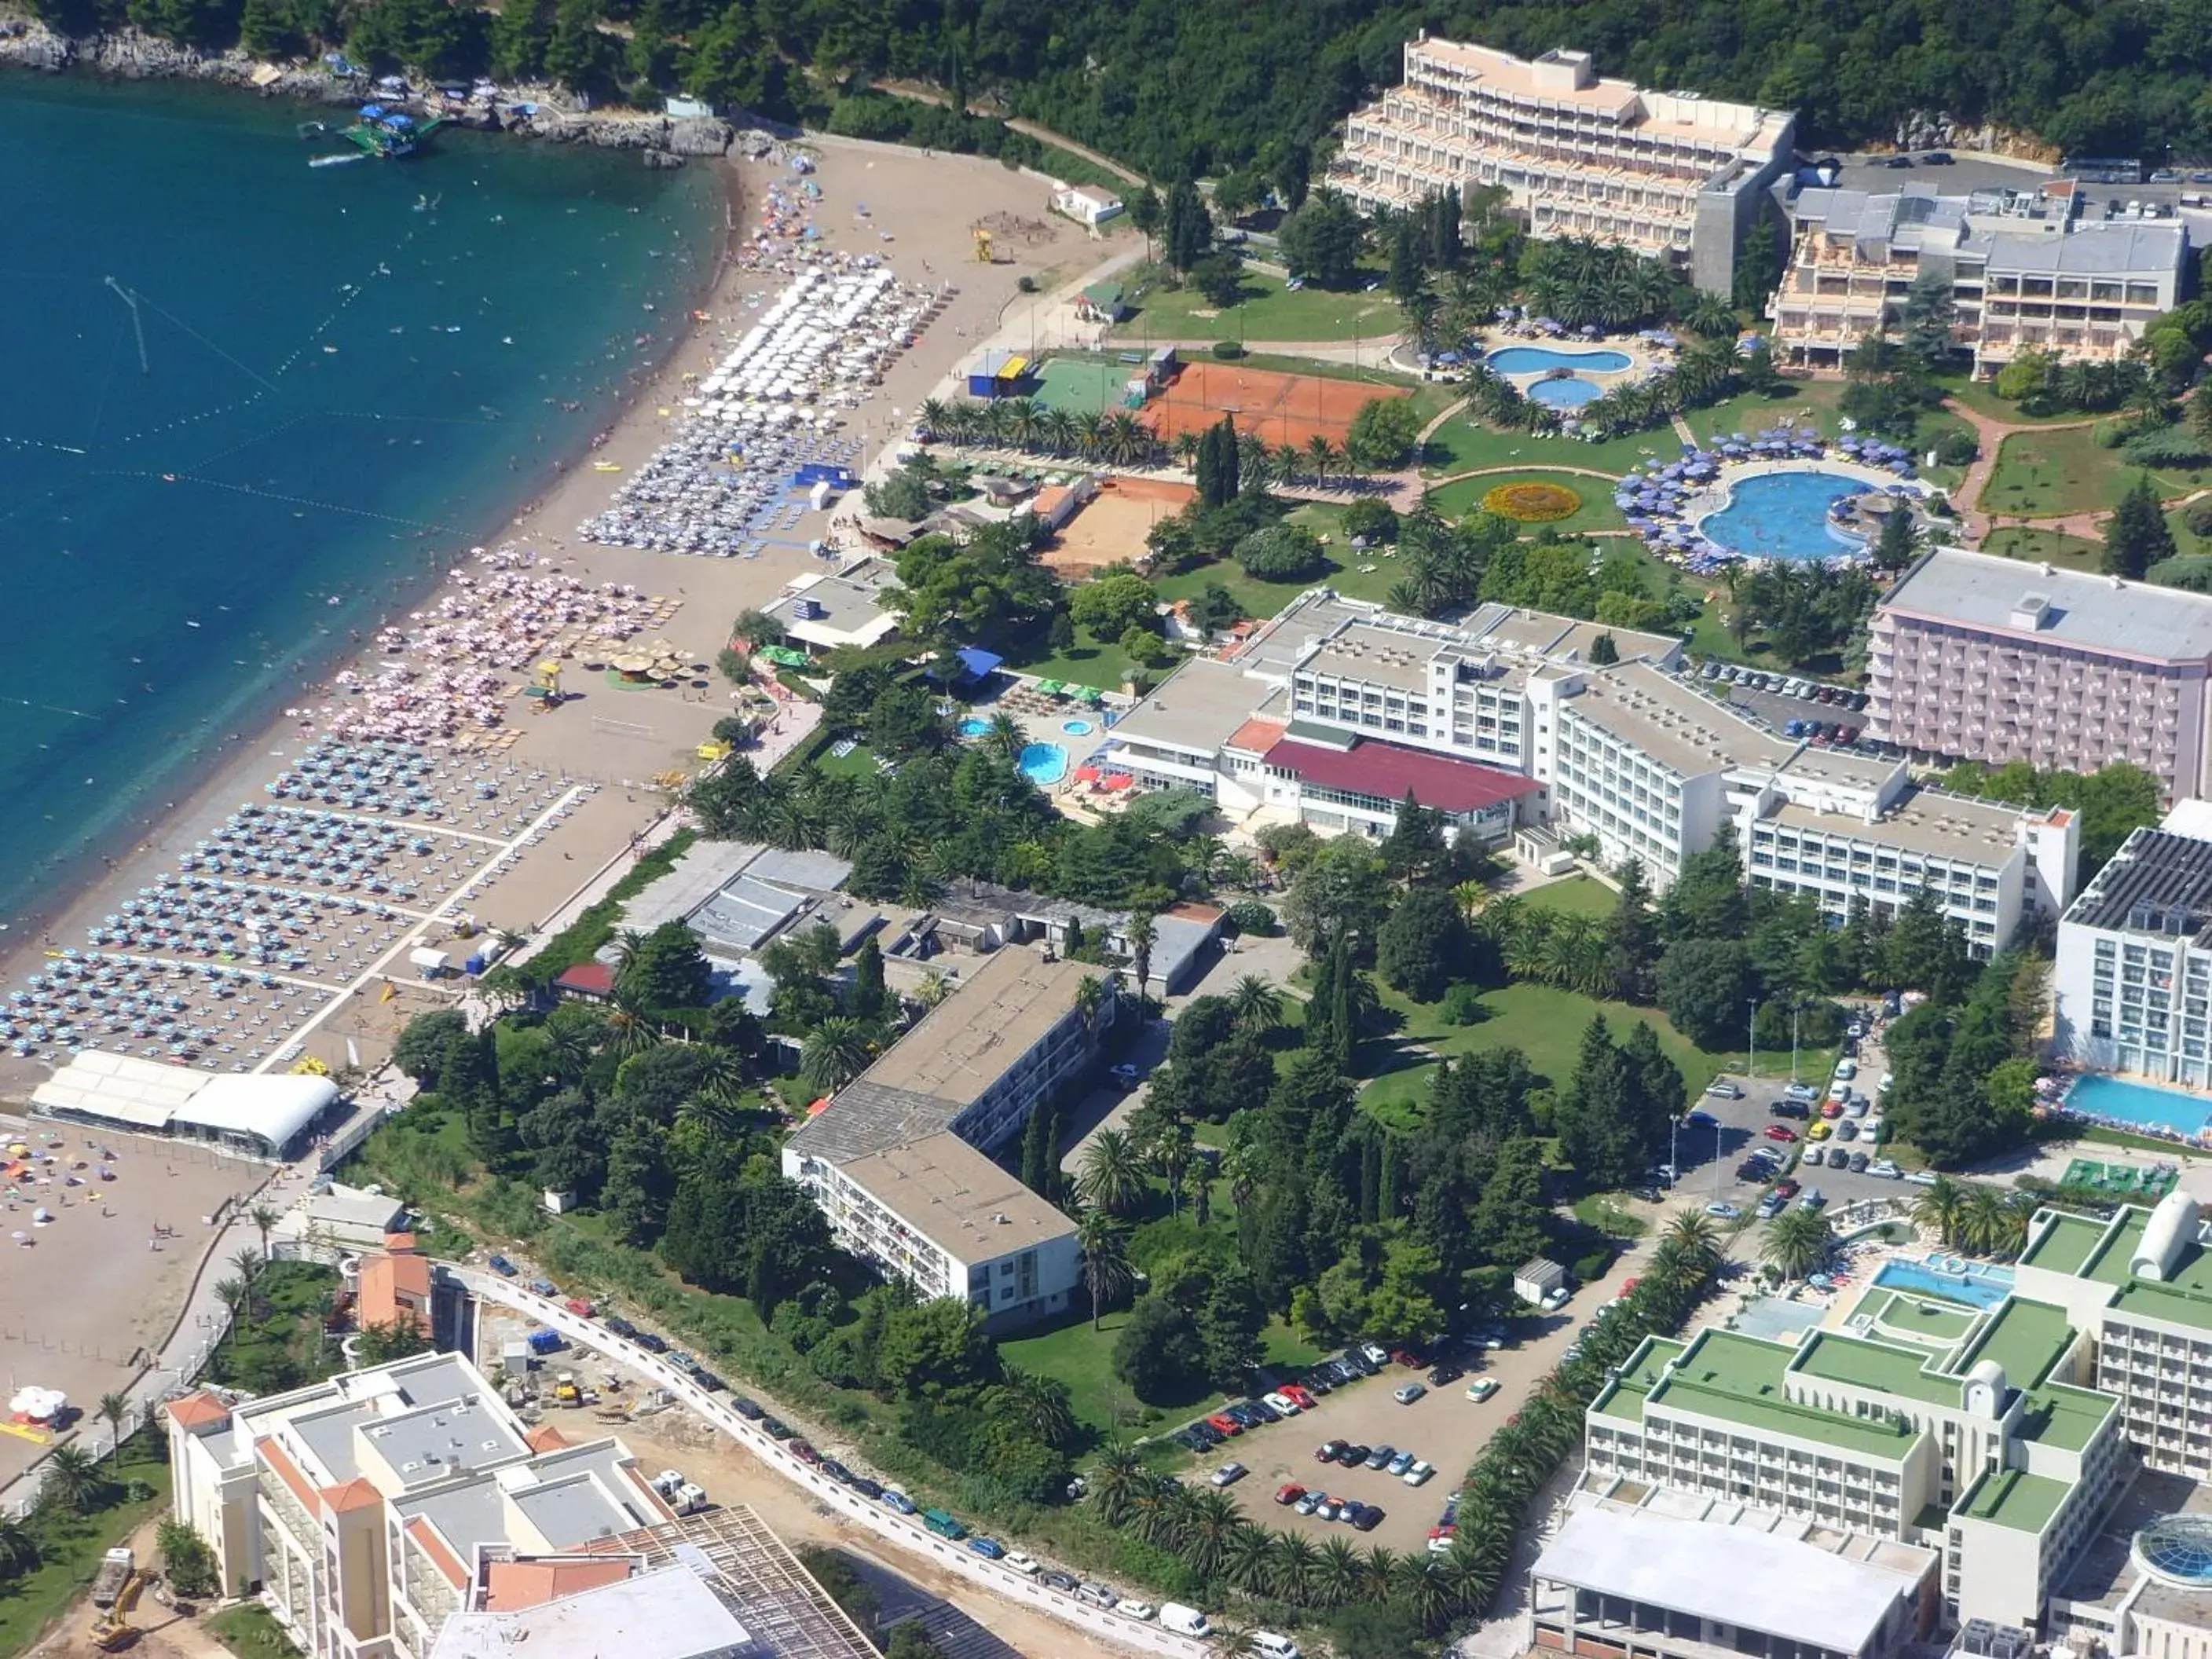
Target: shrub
pixel 1371 521
pixel 2167 446
pixel 1228 350
pixel 1956 448
pixel 1383 433
pixel 1252 917
pixel 2198 516
pixel 1282 553
pixel 1589 1267
pixel 1532 501
pixel 2110 435
pixel 1462 1006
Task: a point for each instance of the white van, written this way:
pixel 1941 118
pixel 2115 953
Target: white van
pixel 1182 1620
pixel 1273 1646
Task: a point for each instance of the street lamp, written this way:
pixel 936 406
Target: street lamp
pixel 1751 1029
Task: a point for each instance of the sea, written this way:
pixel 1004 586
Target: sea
pixel 250 407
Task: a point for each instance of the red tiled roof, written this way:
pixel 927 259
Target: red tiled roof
pixel 1257 735
pixel 594 979
pixel 545 1439
pixel 354 1494
pixel 450 1565
pixel 1388 771
pixel 513 1584
pixel 199 1411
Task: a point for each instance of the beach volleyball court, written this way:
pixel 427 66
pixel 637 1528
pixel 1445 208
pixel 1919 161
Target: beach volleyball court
pixel 1281 409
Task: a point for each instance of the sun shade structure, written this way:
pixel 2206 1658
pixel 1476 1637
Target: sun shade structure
pixel 268 1117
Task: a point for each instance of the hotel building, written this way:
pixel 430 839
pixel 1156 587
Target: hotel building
pixel 900 1160
pixel 1671 175
pixel 2026 272
pixel 2000 1440
pixel 2132 982
pixel 1978 658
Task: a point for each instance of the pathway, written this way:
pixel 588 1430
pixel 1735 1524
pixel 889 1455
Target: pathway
pixel 914 93
pixel 1682 431
pixel 1990 434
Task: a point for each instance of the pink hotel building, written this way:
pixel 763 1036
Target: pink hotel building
pixel 1987 658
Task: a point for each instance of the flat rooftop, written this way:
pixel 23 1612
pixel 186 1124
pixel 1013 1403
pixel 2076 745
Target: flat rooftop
pixel 1623 1399
pixel 1742 1380
pixel 2064 1244
pixel 2134 620
pixel 966 1043
pixel 1831 1357
pixel 1930 823
pixel 1198 708
pixel 1910 1316
pixel 2158 883
pixel 956 1198
pixel 2014 1499
pixel 1375 655
pixel 2026 1338
pixel 1681 729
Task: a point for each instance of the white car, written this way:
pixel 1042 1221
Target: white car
pixel 1885 1168
pixel 1283 1403
pixel 1025 1565
pixel 1422 1471
pixel 1375 1355
pixel 1923 1178
pixel 1132 1609
pixel 1847 1069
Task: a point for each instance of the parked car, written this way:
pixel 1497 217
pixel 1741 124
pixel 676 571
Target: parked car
pixel 1859 1163
pixel 1298 1396
pixel 1406 1394
pixel 1283 1403
pixel 1721 1088
pixel 1353 1455
pixel 1815 1156
pixel 1771 1206
pixel 1289 1493
pixel 897 1501
pixel 1444 1375
pixel 1375 1355
pixel 1098 1595
pixel 1884 1168
pixel 1025 1563
pixel 1382 1455
pixel 1063 1582
pixel 1724 1210
pixel 865 1487
pixel 1419 1473
pixel 1814 1199
pixel 1781 1132
pixel 1370 1516
pixel 1482 1387
pixel 989 1548
pixel 1223 1423
pixel 1785 1188
pixel 1307 1505
pixel 1229 1475
pixel 502 1267
pixel 804 1451
pixel 1127 1076
pixel 1328 1451
pixel 748 1409
pixel 1329 1509
pixel 1400 1463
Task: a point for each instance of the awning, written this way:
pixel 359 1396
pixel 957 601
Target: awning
pixel 978 662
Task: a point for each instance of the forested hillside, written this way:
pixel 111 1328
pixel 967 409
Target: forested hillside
pixel 1203 86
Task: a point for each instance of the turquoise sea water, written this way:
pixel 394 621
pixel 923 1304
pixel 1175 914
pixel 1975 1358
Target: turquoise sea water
pixel 350 372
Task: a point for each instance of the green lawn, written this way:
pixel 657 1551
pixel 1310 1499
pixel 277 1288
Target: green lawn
pixel 2043 474
pixel 1577 896
pixel 859 762
pixel 1597 511
pixel 1264 599
pixel 1981 397
pixel 1545 1024
pixel 251 1632
pixel 1803 404
pixel 2045 547
pixel 1084 1360
pixel 1268 311
pixel 70 1549
pixel 1461 445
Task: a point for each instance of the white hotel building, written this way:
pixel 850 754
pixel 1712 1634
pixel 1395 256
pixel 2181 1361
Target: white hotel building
pixel 2133 978
pixel 1670 175
pixel 1334 710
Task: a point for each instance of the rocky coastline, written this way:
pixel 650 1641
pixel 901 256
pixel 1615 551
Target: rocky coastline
pixel 535 112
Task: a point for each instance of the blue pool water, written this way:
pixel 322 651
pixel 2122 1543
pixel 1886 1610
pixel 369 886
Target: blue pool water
pixel 1980 1287
pixel 1076 728
pixel 974 728
pixel 1535 360
pixel 2119 1101
pixel 1571 393
pixel 1044 762
pixel 1781 516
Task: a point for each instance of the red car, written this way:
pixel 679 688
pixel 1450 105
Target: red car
pixel 1780 1132
pixel 1289 1493
pixel 1785 1189
pixel 1327 1450
pixel 1302 1398
pixel 1834 1108
pixel 1226 1424
pixel 803 1451
pixel 1404 1357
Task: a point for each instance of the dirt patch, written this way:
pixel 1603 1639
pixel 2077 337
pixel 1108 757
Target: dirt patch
pixel 1113 524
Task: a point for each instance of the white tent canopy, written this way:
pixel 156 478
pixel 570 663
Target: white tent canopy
pixel 268 1114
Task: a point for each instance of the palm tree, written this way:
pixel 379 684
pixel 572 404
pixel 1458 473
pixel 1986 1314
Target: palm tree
pixel 1169 1151
pixel 929 419
pixel 1104 1244
pixel 1124 439
pixel 114 1407
pixel 1258 1004
pixel 1022 417
pixel 836 1052
pixel 932 989
pixel 1142 932
pixel 1041 1405
pixel 628 944
pixel 1525 949
pixel 1982 1223
pixel 1114 1481
pixel 1797 1243
pixel 1380 1571
pixel 1185 448
pixel 1235 1641
pixel 1059 431
pixel 232 1295
pixel 1297 1569
pixel 19 1550
pixel 265 1222
pixel 1214 1521
pixel 1422 1581
pixel 1006 737
pixel 1939 1207
pixel 1240 1168
pixel 1339 1574
pixel 1698 1235
pixel 1707 314
pixel 2011 1237
pixel 1248 1559
pixel 1112 1173
pixel 73 1482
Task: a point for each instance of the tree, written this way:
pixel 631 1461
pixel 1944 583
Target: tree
pixel 1898 545
pixel 910 1639
pixel 2137 536
pixel 1282 553
pixel 519 36
pixel 1928 316
pixel 1797 1241
pixel 664 970
pixel 1220 278
pixel 1041 1153
pixel 421 1050
pixel 929 1350
pixel 1322 240
pixel 1604 651
pixel 1595 1117
pixel 185 1559
pixel 114 1407
pixel 1632 938
pixel 1383 433
pixel 396 1339
pixel 1103 1243
pixel 1341 893
pixel 72 1482
pixel 1423 945
pixel 1111 605
pixel 835 1053
pixel 1112 1176
pixel 1160 1353
pixel 1148 213
pixel 1187 228
pixel 1706 988
pixel 871 1000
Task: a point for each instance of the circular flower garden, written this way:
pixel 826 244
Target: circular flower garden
pixel 1531 502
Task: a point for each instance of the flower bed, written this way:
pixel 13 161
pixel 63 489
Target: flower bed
pixel 1531 502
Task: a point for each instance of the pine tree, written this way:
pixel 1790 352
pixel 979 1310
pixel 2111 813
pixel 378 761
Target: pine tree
pixel 870 999
pixel 2138 537
pixel 1035 1155
pixel 1897 545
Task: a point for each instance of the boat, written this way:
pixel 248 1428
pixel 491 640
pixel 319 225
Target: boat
pixel 389 134
pixel 335 161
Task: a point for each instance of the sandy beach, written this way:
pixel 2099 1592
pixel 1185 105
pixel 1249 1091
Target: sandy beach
pixel 918 210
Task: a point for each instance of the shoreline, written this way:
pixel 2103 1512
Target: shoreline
pixel 613 741
pixel 208 791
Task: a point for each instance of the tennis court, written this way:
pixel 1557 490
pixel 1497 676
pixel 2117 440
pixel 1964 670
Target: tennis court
pixel 1085 386
pixel 1281 409
pixel 1112 525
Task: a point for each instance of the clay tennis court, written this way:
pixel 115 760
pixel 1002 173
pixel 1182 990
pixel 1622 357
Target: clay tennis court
pixel 1282 408
pixel 1112 525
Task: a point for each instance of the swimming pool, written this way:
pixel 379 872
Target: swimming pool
pixel 1044 763
pixel 2119 1101
pixel 1535 360
pixel 1571 392
pixel 974 727
pixel 1978 1286
pixel 1077 728
pixel 1783 516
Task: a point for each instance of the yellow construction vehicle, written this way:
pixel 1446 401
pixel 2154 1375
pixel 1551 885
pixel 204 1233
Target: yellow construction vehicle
pixel 115 1591
pixel 983 253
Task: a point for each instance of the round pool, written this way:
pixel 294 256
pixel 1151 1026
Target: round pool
pixel 974 727
pixel 1536 360
pixel 1043 762
pixel 1571 391
pixel 1076 728
pixel 1783 516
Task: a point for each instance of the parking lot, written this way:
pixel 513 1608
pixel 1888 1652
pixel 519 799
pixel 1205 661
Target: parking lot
pixel 1777 709
pixel 1443 1428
